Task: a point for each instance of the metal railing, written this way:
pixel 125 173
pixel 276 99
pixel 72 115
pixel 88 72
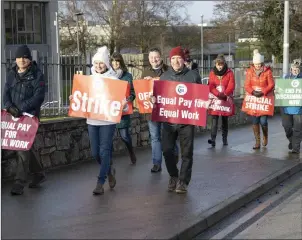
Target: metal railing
pixel 59 78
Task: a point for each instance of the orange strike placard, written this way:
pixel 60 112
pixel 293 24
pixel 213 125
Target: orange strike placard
pixel 129 109
pixel 262 106
pixel 144 89
pixel 97 98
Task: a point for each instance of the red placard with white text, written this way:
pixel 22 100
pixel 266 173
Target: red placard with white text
pixel 18 133
pixel 180 103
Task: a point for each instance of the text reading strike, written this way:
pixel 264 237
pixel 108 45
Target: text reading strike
pixel 98 105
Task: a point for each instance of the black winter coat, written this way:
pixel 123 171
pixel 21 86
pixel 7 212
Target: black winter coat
pixel 186 75
pixel 26 92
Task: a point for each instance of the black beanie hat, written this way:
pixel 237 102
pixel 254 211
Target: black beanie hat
pixel 23 52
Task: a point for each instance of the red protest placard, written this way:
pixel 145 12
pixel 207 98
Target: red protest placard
pixel 129 109
pixel 180 103
pixel 18 133
pixel 220 107
pixel 255 106
pixel 143 90
pixel 97 98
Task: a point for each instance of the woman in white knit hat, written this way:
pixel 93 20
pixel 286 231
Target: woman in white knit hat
pixel 259 82
pixel 101 132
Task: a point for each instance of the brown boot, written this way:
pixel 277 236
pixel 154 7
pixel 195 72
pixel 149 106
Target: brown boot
pixel 265 135
pixel 256 129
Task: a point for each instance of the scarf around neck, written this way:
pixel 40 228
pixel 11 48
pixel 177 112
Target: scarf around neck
pixel 222 72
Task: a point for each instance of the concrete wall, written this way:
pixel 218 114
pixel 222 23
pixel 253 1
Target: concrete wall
pixel 60 143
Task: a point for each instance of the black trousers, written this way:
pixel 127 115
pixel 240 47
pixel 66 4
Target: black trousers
pixel 27 163
pixel 185 133
pixel 224 126
pixel 292 125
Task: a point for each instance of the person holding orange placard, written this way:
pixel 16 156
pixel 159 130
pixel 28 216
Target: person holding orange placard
pixel 259 82
pixel 100 132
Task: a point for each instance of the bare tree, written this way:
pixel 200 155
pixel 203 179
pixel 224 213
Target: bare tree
pixel 70 29
pixel 111 15
pixel 151 20
pixel 263 19
pixel 134 24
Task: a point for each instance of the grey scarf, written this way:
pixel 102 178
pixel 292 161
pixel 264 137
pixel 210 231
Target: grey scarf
pixel 119 73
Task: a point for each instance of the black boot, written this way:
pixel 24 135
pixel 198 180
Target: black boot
pixel 17 189
pixel 131 153
pixel 37 180
pixel 214 127
pixel 212 141
pixel 225 130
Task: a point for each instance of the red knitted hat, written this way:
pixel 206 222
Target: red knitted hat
pixel 177 51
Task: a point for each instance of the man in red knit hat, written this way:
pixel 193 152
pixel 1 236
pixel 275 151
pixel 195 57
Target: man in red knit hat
pixel 179 180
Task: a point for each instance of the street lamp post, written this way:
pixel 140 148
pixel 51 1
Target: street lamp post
pixel 286 38
pixel 58 60
pixel 201 46
pixel 229 48
pixel 78 39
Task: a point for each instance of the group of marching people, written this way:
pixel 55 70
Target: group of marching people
pixel 25 90
pixel 259 82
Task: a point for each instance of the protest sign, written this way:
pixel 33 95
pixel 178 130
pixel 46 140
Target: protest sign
pixel 18 133
pixel 180 103
pixel 220 107
pixel 129 108
pixel 288 92
pixel 143 90
pixel 258 106
pixel 97 98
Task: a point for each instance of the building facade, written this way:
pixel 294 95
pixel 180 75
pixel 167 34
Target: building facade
pixel 30 22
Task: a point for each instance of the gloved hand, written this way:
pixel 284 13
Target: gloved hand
pixel 222 96
pixel 257 93
pixel 152 99
pixel 14 111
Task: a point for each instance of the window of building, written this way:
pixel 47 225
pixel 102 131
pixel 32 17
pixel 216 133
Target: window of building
pixel 24 22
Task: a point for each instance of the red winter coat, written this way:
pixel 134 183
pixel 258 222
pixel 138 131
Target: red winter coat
pixel 227 82
pixel 265 81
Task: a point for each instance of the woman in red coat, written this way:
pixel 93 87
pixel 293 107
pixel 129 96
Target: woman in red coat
pixel 222 85
pixel 259 82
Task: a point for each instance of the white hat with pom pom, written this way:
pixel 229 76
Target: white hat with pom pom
pixel 102 55
pixel 257 58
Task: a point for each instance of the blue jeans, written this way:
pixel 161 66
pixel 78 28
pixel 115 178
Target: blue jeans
pixel 126 138
pixel 125 135
pixel 262 120
pixel 101 139
pixel 155 135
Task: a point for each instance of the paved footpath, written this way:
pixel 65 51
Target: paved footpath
pixel 140 206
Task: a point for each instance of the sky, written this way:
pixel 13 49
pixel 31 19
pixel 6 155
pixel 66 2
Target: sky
pixel 197 8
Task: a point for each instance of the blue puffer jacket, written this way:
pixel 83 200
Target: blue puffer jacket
pixel 293 110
